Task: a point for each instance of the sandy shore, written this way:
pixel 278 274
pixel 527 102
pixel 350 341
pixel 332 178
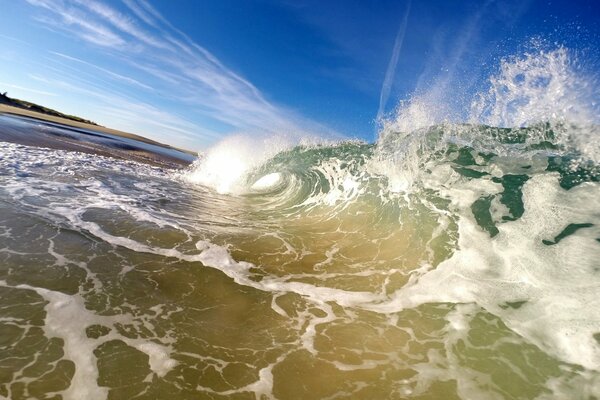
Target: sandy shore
pixel 6 109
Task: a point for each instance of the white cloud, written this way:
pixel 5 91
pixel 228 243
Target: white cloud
pixel 391 69
pixel 121 22
pixel 139 11
pixel 176 67
pixel 78 22
pixel 112 74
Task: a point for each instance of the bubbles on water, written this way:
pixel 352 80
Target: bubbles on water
pixel 543 102
pixel 417 113
pixel 541 86
pixel 548 87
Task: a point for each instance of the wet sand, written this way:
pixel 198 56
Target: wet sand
pixel 36 129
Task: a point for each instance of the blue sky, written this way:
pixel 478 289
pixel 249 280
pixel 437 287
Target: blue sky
pixel 190 72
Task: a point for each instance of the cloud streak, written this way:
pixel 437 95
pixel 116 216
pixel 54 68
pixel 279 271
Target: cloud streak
pixel 42 92
pixel 391 69
pixel 112 74
pixel 140 37
pixel 127 111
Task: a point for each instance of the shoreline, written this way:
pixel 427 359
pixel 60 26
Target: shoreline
pixel 35 129
pixel 11 110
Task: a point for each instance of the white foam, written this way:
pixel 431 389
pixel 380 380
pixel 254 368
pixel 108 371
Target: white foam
pixel 540 87
pixel 557 282
pixel 344 185
pixel 159 357
pixel 67 318
pixel 225 166
pixel 267 181
pixel 262 387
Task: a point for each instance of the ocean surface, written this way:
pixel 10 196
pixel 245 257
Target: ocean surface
pixel 40 133
pixel 444 261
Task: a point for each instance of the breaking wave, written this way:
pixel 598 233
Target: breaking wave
pixel 444 252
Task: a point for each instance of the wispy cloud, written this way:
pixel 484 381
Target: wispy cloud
pixel 129 114
pixel 140 11
pixel 391 69
pixel 76 21
pixel 175 66
pixel 10 85
pixel 121 22
pixel 112 74
pixel 15 39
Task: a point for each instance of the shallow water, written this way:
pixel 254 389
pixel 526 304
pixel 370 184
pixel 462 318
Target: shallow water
pixel 121 280
pixel 450 262
pixel 36 132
